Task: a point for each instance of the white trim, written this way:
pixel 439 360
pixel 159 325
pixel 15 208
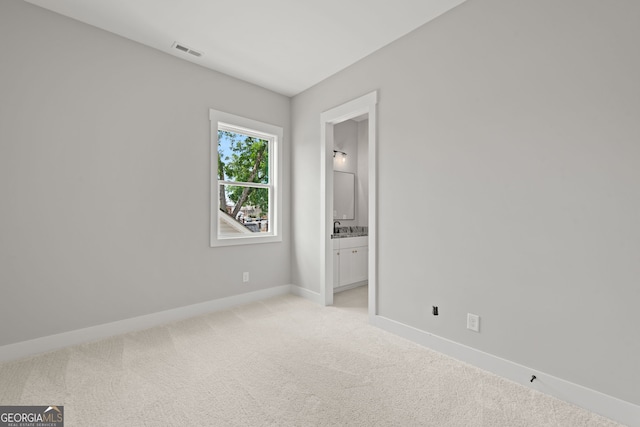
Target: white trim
pixel 94 333
pixel 275 135
pixel 307 294
pixel 592 400
pixel 326 210
pixel 349 287
pixel 365 104
pixel 372 275
pixel 618 410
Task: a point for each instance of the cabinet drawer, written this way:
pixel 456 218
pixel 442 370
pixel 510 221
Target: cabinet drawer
pixel 350 242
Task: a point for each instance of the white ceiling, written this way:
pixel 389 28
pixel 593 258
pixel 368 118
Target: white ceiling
pixel 283 45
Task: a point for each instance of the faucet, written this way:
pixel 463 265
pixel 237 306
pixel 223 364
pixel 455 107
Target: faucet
pixel 335 230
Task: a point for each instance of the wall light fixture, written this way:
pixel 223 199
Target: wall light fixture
pixel 344 155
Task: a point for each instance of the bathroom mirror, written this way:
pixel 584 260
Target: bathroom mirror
pixel 344 191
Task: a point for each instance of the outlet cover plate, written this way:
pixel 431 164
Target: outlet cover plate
pixel 473 322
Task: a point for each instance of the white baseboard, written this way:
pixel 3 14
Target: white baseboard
pixel 307 294
pixel 608 406
pixel 594 401
pixel 349 287
pixel 93 333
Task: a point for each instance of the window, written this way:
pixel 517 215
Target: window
pixel 245 162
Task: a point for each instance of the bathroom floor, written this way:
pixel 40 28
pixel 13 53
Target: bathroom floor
pixel 355 299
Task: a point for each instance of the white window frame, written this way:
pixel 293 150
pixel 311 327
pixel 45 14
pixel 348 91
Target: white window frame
pixel 271 133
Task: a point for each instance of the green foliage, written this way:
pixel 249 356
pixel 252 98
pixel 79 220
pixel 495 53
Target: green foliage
pixel 244 159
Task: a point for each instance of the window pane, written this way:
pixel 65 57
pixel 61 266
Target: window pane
pixel 245 180
pixel 244 210
pixel 242 158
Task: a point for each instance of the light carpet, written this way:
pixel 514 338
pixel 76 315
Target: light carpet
pixel 280 362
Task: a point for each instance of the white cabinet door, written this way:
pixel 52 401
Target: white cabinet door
pixel 352 265
pixel 345 267
pixel 336 268
pixel 358 264
pixel 350 261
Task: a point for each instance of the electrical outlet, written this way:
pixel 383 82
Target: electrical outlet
pixel 473 322
pixel 245 277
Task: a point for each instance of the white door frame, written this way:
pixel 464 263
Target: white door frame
pixel 365 104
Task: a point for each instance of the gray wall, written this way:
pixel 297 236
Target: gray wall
pixel 511 129
pixel 352 137
pixel 104 179
pixel 345 138
pixel 362 184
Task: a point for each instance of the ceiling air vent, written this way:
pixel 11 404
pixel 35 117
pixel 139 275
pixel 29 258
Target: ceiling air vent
pixel 186 49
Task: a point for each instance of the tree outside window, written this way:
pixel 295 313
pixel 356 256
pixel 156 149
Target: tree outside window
pixel 243 159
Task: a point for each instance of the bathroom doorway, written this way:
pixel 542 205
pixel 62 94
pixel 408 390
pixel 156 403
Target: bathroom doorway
pixel 363 108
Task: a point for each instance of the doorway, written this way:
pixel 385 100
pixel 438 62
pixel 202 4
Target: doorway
pixel 362 106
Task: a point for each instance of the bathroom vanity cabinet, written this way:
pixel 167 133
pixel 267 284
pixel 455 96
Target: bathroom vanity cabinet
pixel 350 262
